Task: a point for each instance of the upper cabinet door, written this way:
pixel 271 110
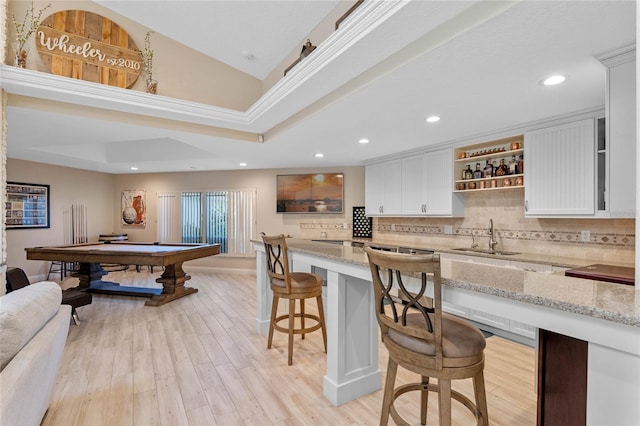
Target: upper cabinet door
pixel 414 183
pixel 560 173
pixel 440 198
pixel 620 191
pixel 383 188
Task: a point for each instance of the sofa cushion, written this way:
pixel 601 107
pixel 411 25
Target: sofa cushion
pixel 22 313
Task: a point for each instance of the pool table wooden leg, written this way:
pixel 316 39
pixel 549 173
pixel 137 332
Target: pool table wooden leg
pixel 89 274
pixel 172 280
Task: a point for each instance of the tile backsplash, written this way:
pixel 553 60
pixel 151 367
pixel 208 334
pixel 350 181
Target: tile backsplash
pixel 609 239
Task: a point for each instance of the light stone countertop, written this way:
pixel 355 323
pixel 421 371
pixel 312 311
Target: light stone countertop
pixel 609 301
pixel 542 259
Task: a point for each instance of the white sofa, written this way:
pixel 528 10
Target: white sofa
pixel 33 332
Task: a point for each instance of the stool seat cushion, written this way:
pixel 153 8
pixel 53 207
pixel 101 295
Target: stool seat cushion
pixel 76 297
pixel 300 280
pixel 459 337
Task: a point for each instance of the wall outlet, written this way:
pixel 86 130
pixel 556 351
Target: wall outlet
pixel 345 225
pixel 585 236
pixel 448 229
pixel 393 226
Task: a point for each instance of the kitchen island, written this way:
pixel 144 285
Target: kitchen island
pixel 605 315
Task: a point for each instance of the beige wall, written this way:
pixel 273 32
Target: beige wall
pixel 68 186
pixel 102 194
pixel 264 181
pixel 204 80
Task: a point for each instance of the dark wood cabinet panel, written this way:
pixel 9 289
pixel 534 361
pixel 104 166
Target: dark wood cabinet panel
pixel 562 380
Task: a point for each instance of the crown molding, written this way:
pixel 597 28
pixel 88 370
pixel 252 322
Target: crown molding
pixel 618 56
pixel 43 85
pixel 367 17
pixel 298 89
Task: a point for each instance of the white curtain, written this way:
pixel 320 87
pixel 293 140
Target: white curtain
pixel 241 221
pixel 74 224
pixel 241 218
pixel 169 217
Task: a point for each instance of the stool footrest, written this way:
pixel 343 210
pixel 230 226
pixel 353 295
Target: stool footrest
pixel 410 387
pixel 298 330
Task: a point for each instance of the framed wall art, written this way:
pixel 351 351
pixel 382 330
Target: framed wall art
pixel 311 193
pixel 134 208
pixel 27 206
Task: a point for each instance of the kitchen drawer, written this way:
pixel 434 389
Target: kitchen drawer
pixel 455 309
pixel 523 329
pixel 489 319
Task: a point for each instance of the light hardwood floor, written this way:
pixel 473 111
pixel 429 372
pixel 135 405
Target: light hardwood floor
pixel 198 361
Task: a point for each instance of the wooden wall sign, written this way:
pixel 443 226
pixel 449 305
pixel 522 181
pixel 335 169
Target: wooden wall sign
pixel 90 47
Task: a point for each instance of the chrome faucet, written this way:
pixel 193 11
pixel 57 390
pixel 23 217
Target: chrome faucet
pixel 492 241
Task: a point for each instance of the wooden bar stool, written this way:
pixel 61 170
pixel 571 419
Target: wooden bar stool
pixel 291 286
pixel 423 339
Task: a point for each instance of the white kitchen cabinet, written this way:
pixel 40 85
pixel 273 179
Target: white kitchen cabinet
pixel 427 188
pixel 560 175
pixel 617 151
pixel 492 320
pixel 454 309
pixel 440 198
pixel 414 185
pixel 523 329
pixel 383 188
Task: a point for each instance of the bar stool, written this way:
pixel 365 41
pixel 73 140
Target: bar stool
pixel 57 267
pixel 291 286
pixel 423 339
pixel 16 279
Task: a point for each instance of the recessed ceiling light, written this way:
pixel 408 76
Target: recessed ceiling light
pixel 319 155
pixel 363 141
pixel 553 80
pixel 433 119
pixel 243 164
pixel 134 168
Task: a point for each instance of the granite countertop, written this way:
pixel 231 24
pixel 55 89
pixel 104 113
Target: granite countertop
pixel 542 259
pixel 609 301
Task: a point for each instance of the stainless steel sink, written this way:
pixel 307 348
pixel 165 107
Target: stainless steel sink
pixel 487 251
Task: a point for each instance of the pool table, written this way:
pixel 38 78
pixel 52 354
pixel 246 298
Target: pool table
pixel 90 255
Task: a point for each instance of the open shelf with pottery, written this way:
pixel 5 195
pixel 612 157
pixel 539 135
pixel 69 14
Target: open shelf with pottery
pixel 510 149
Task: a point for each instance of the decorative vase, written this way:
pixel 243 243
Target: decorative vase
pixel 20 58
pixel 152 86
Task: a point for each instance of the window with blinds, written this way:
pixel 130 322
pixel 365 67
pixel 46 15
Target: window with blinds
pixel 223 217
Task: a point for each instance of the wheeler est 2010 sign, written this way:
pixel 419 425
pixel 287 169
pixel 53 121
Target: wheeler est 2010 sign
pixel 87 46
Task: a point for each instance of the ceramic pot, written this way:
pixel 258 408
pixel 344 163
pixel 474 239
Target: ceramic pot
pixel 20 59
pixel 152 86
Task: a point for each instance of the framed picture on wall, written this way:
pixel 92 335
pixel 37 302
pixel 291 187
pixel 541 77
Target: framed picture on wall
pixel 310 193
pixel 134 208
pixel 27 206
